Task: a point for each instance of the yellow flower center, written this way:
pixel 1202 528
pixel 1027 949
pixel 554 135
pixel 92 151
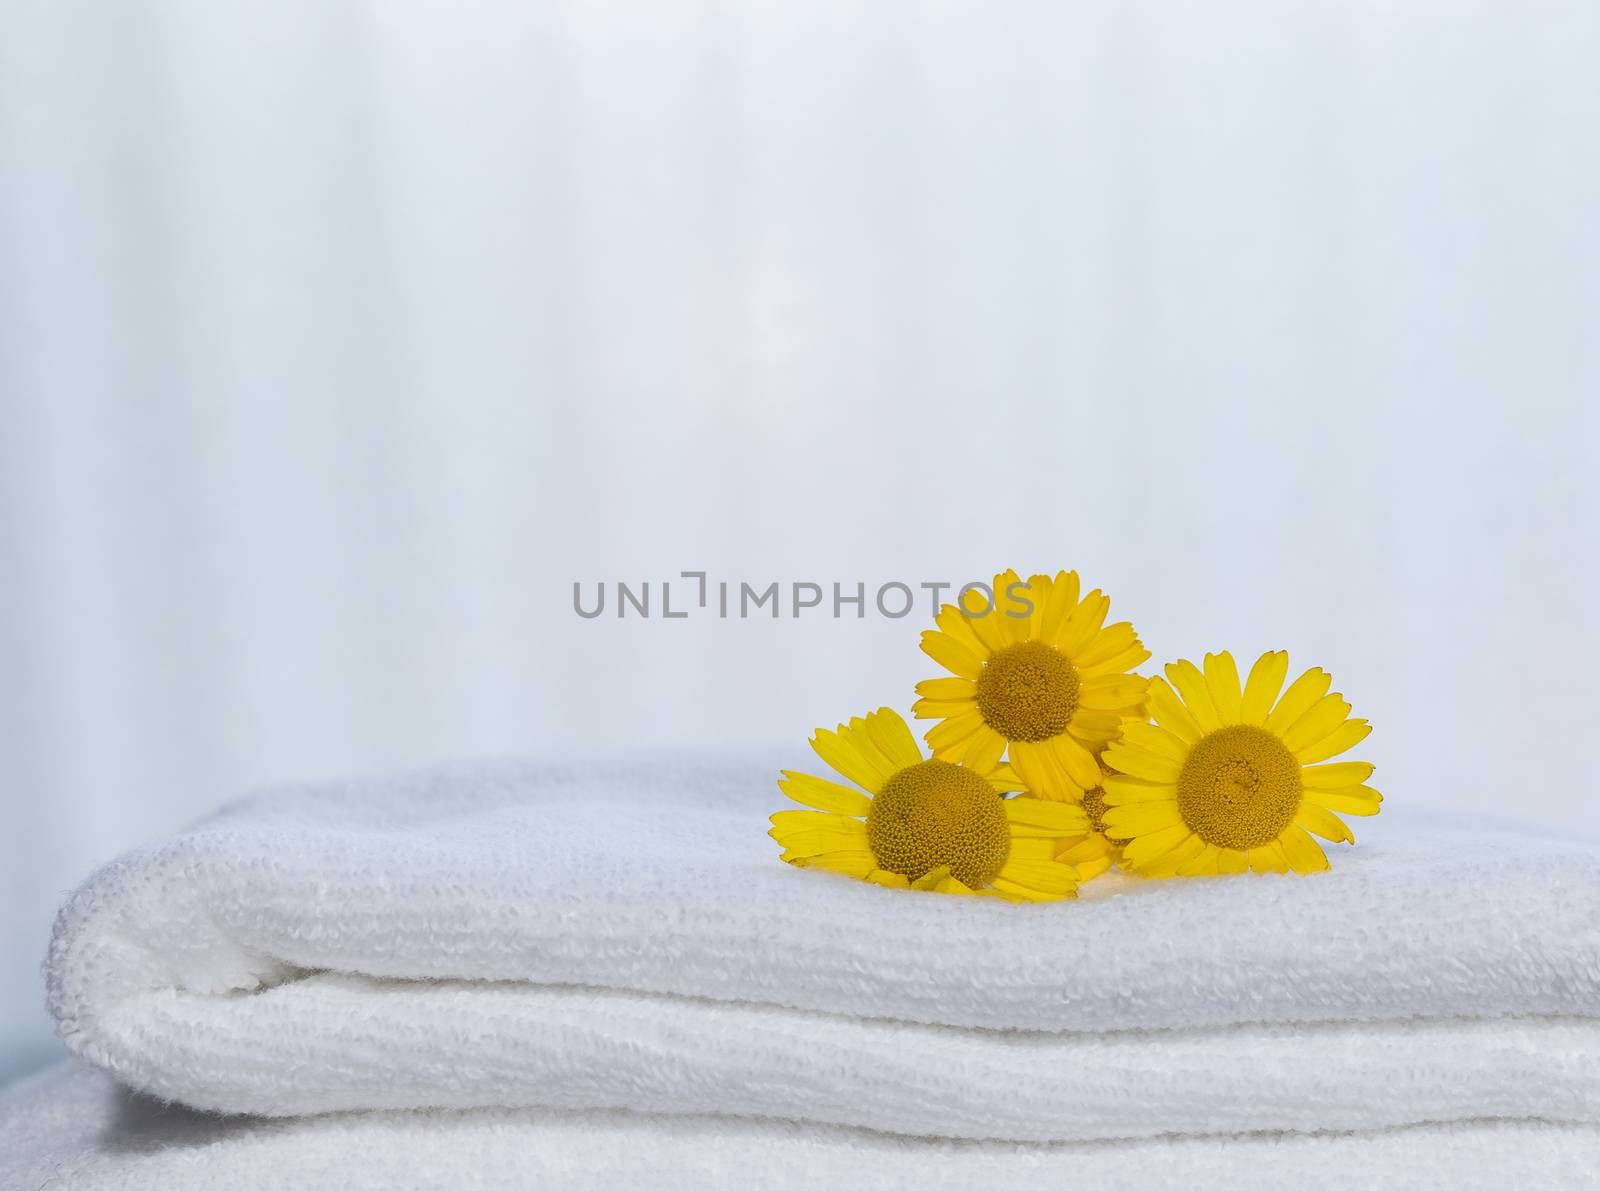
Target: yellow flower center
pixel 1239 787
pixel 1094 798
pixel 935 813
pixel 1028 691
pixel 1094 805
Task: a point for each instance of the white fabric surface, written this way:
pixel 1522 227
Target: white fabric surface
pixel 620 934
pixel 71 1127
pixel 392 1045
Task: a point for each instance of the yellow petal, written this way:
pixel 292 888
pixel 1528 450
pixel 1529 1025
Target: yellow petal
pixel 1034 847
pixel 1155 740
pixel 788 822
pixel 1356 800
pixel 956 658
pixel 1139 762
pixel 1326 714
pixel 817 843
pixel 1112 691
pixel 1324 823
pixel 1187 680
pixel 959 629
pixel 984 618
pixel 1009 593
pixel 824 795
pixel 1168 711
pixel 1297 700
pixel 1139 818
pixel 933 878
pixel 1042 876
pixel 1093 729
pixel 1131 713
pixel 1120 791
pixel 1146 848
pixel 1011 891
pixel 1302 852
pixel 1107 643
pixel 1262 687
pixel 1231 861
pixel 1332 777
pixel 890 880
pixel 953 732
pixel 948 689
pixel 943 709
pixel 1168 864
pixel 1085 851
pixel 858 733
pixel 984 750
pixel 1091 867
pixel 1039 593
pixel 1083 624
pixel 1202 864
pixel 1076 760
pixel 1222 684
pixel 1268 858
pixel 842 755
pixel 1035 816
pixel 1134 656
pixel 1033 768
pixel 1004 779
pixel 855 863
pixel 1063 600
pixel 1343 738
pixel 893 738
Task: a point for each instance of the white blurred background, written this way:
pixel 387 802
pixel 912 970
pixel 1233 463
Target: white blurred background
pixel 338 340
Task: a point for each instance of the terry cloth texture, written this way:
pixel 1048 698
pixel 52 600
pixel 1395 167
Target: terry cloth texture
pixel 619 934
pixel 72 1128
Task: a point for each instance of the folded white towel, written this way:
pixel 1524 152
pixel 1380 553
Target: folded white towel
pixel 344 1042
pixel 417 942
pixel 71 1128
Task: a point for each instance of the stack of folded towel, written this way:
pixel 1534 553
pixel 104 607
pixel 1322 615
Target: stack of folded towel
pixel 598 974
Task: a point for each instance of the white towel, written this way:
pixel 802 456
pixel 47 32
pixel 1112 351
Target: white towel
pixel 619 934
pixel 71 1129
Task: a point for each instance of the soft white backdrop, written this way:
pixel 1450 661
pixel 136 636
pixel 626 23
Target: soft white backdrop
pixel 338 340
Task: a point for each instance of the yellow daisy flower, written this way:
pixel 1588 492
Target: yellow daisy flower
pixel 928 824
pixel 1091 851
pixel 1046 689
pixel 1094 852
pixel 1227 779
